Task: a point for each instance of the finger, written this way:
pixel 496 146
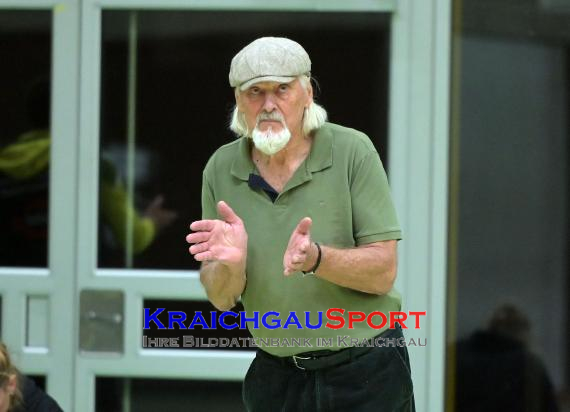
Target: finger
pixel 304 226
pixel 203 225
pixel 199 248
pixel 204 256
pixel 292 269
pixel 293 262
pixel 288 262
pixel 291 266
pixel 304 247
pixel 298 259
pixel 198 237
pixel 226 213
pixel 285 262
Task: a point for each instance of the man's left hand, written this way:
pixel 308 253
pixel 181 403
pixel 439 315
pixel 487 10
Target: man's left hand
pixel 301 253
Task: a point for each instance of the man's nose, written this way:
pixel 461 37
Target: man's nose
pixel 269 103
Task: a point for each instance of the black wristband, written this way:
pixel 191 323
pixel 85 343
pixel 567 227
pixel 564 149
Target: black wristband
pixel 317 263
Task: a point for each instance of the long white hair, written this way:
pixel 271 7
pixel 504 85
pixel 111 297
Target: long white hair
pixel 314 117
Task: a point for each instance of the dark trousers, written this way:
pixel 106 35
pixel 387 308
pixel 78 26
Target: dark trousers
pixel 378 381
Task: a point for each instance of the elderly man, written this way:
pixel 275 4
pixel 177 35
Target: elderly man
pixel 298 218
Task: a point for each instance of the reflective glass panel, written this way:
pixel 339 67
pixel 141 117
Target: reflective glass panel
pixel 165 108
pixel 509 327
pixel 25 50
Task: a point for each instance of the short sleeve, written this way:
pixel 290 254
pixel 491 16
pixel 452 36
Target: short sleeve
pixel 209 210
pixel 374 217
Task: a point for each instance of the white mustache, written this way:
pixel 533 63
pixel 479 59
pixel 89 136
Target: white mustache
pixel 270 116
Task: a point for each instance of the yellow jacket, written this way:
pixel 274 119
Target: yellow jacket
pixel 29 157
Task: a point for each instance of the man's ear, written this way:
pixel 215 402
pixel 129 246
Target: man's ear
pixel 309 94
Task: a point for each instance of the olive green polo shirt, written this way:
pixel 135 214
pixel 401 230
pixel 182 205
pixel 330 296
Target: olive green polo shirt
pixel 343 188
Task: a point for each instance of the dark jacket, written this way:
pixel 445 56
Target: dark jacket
pixel 35 399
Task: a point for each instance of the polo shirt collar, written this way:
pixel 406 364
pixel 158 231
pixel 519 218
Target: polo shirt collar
pixel 319 159
pixel 322 151
pixel 242 165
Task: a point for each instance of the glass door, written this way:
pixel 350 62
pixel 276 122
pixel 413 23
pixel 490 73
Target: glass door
pixel 162 109
pixel 508 326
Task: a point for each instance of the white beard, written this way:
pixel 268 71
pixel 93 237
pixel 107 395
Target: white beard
pixel 269 142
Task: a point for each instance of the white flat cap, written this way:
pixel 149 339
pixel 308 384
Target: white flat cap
pixel 269 59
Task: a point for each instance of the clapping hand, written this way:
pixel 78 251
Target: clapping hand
pixel 299 254
pixel 223 240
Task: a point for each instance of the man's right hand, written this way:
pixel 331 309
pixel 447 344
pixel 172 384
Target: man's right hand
pixel 222 240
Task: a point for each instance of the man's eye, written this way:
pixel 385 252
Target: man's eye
pixel 254 90
pixel 283 87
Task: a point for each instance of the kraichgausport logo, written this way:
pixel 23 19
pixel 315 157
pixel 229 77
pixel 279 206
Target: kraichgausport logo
pixel 333 318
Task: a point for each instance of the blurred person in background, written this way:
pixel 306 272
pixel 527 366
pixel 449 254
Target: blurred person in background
pixel 497 371
pixel 18 393
pixel 24 185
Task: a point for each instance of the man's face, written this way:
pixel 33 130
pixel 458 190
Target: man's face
pixel 286 99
